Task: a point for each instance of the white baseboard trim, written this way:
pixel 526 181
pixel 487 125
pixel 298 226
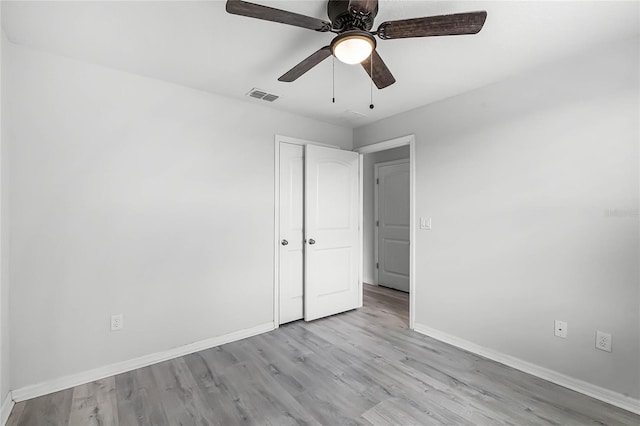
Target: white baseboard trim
pixel 66 382
pixel 5 410
pixel 597 392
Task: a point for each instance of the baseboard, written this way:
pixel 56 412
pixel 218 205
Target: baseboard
pixel 5 410
pixel 66 382
pixel 597 392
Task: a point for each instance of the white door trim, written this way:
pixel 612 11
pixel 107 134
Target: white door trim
pixel 278 139
pixel 393 143
pixel 376 168
pixel 384 145
pixel 361 229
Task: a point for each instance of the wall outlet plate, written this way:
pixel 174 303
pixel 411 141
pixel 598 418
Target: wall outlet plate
pixel 603 341
pixel 561 329
pixel 117 322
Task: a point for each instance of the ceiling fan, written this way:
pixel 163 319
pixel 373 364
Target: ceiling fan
pixel 355 43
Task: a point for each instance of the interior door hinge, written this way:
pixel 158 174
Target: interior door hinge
pixel 376 265
pixel 377 223
pixel 377 181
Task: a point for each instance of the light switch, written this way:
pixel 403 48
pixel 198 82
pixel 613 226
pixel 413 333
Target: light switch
pixel 425 223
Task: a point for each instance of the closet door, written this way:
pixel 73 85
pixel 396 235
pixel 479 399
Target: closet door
pixel 291 259
pixel 332 218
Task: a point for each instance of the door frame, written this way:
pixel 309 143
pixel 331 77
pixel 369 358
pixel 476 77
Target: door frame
pixel 278 139
pixel 376 168
pixel 382 146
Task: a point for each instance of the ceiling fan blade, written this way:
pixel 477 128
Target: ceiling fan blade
pixel 363 7
pixel 457 24
pixel 382 77
pixel 314 59
pixel 252 10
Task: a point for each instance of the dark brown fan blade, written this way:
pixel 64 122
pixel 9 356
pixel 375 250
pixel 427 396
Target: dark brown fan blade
pixel 314 59
pixel 363 7
pixel 457 24
pixel 382 77
pixel 243 8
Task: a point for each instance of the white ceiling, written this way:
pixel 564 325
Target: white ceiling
pixel 199 45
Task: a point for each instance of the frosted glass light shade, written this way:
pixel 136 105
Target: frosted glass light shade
pixel 353 49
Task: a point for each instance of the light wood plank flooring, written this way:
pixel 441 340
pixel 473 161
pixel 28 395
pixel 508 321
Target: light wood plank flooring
pixel 360 368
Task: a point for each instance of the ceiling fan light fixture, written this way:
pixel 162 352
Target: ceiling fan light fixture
pixel 353 47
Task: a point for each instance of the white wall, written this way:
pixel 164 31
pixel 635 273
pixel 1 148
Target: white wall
pixel 135 196
pixel 520 179
pixel 369 224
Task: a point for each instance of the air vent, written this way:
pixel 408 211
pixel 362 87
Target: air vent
pixel 257 94
pixel 261 94
pixel 354 114
pixel 351 117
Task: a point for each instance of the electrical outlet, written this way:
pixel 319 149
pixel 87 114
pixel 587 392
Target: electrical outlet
pixel 561 329
pixel 603 341
pixel 117 322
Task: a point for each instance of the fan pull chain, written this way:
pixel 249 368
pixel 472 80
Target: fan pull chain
pixel 371 80
pixel 333 79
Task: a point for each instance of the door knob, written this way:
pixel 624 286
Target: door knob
pixel 312 241
pixel 284 242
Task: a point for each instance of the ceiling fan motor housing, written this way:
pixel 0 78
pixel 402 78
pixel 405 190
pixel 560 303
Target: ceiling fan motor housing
pixel 342 19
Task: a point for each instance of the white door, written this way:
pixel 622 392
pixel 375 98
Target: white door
pixel 291 259
pixel 332 232
pixel 393 224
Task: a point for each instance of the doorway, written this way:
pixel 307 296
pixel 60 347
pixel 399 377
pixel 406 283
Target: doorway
pixel 393 158
pixel 391 214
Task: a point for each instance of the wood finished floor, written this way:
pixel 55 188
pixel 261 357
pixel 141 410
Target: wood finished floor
pixel 363 367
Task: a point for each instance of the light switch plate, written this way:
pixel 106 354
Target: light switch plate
pixel 425 223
